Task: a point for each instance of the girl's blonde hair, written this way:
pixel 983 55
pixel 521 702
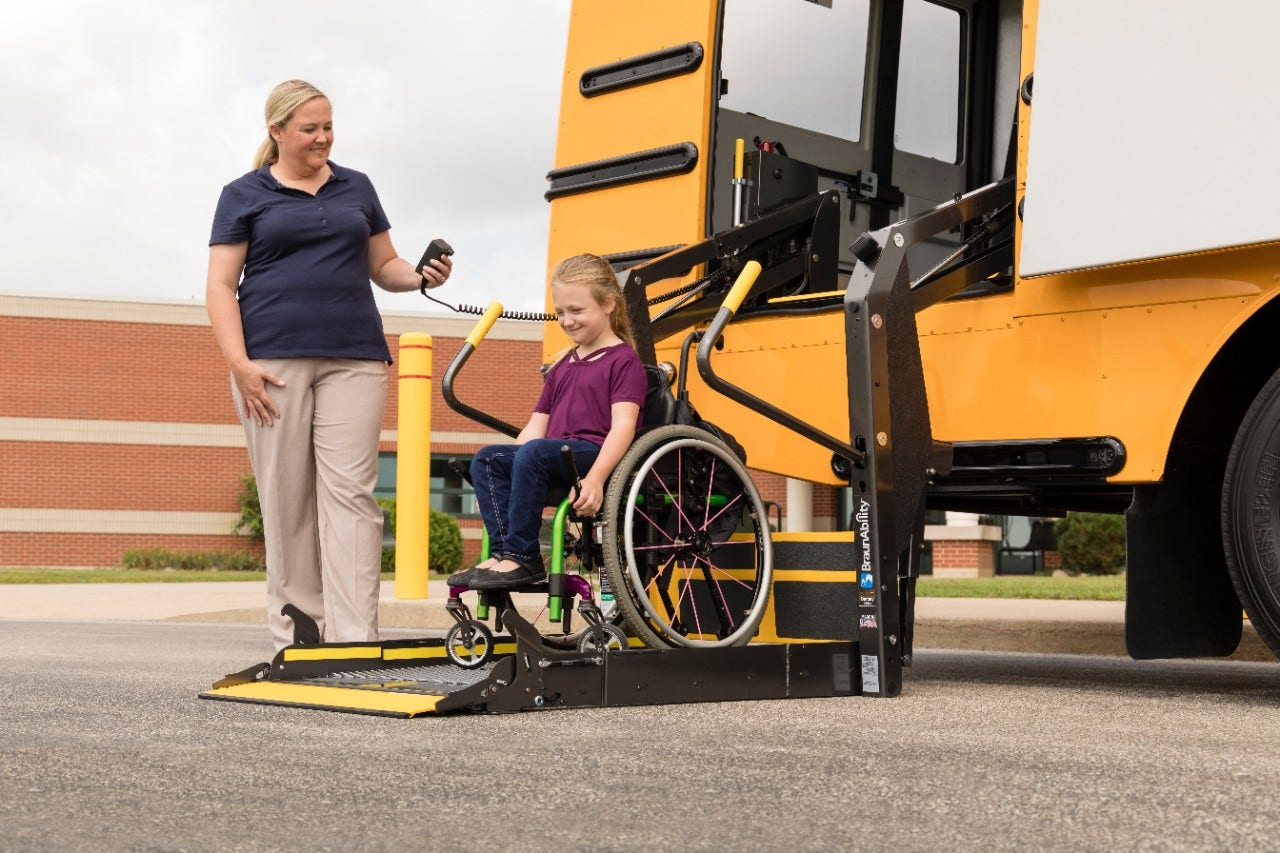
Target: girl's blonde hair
pixel 598 275
pixel 283 101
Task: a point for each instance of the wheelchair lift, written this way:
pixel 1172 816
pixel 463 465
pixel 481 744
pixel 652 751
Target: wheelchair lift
pixel 411 678
pixel 839 613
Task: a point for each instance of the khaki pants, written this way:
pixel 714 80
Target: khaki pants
pixel 316 466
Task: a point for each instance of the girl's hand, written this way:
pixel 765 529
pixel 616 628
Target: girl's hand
pixel 590 498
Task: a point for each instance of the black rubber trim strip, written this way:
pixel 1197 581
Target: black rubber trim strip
pixel 625 169
pixel 636 70
pixel 1100 456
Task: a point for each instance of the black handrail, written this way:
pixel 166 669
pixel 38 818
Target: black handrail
pixel 464 352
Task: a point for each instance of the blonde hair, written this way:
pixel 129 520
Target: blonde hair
pixel 282 103
pixel 598 276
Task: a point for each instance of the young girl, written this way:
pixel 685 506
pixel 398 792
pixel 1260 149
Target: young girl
pixel 591 401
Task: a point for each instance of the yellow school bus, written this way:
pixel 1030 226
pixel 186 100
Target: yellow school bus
pixel 1068 210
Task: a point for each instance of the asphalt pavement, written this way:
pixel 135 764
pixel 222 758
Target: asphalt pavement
pixel 104 746
pixel 1010 625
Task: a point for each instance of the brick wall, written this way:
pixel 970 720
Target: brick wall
pixel 117 429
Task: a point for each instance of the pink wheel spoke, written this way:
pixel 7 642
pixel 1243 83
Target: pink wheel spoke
pixel 649 587
pixel 675 501
pixel 693 607
pixel 656 526
pixel 710 483
pixel 723 510
pixel 724 604
pixel 714 568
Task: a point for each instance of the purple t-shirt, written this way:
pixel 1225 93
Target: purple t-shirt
pixel 579 393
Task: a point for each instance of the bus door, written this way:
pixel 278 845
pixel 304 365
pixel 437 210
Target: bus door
pixel 879 95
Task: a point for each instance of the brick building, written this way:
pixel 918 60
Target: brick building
pixel 117 432
pixel 117 429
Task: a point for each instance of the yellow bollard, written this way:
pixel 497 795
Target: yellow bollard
pixel 413 466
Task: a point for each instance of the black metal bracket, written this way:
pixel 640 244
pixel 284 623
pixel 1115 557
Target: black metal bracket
pixel 889 412
pixel 797 242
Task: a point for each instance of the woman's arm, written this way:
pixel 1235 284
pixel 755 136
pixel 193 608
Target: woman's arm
pixel 226 262
pixel 392 272
pixel 622 429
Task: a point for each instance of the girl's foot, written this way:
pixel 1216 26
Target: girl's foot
pixel 507 573
pixel 463 578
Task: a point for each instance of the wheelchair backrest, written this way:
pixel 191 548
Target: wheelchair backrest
pixel 659 401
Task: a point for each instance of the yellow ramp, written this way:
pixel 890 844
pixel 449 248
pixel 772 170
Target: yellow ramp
pixel 352 699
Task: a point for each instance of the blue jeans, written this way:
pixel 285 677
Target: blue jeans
pixel 512 482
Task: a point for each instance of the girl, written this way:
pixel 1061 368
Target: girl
pixel 591 401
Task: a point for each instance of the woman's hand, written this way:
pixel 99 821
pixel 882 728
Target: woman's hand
pixel 392 272
pixel 252 381
pixel 437 271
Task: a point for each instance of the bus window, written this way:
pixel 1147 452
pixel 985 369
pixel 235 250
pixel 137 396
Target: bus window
pixel 928 104
pixel 797 62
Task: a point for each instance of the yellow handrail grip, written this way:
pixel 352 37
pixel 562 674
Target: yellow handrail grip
pixel 738 145
pixel 482 328
pixel 746 278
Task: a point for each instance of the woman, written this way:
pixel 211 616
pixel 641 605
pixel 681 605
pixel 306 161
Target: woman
pixel 294 245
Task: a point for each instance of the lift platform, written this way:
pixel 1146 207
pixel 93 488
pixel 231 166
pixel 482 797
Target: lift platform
pixel 412 678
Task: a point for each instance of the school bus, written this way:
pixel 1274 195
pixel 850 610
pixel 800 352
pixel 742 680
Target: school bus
pixel 1070 208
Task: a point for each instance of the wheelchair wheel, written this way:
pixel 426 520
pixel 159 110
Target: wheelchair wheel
pixel 692 560
pixel 469 652
pixel 601 638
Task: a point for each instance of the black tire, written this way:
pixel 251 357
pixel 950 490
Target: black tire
pixel 662 525
pixel 1251 513
pixel 469 652
pixel 602 638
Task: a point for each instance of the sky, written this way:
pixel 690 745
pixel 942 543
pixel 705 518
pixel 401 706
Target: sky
pixel 123 121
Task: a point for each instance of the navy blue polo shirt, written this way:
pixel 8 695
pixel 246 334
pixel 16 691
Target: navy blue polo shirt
pixel 305 290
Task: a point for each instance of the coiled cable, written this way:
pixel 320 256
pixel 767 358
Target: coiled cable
pixel 533 316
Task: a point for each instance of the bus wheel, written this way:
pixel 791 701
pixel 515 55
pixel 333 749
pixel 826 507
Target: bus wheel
pixel 1251 513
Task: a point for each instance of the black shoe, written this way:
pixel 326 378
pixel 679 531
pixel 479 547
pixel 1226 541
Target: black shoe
pixel 461 578
pixel 525 574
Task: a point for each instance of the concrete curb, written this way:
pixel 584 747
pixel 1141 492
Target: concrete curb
pixel 1011 625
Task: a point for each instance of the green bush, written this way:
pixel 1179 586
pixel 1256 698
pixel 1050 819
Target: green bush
pixel 444 554
pixel 160 559
pixel 250 521
pixel 1091 543
pixel 389 554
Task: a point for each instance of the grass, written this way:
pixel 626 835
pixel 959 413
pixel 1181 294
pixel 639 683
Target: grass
pixel 9 576
pixel 1082 587
pixel 1085 587
pixel 12 576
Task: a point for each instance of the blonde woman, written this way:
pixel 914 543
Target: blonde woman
pixel 295 243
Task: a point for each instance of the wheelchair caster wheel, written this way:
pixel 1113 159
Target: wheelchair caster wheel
pixel 602 637
pixel 471 651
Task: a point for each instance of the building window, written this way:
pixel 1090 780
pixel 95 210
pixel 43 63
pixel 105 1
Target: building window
pixel 450 493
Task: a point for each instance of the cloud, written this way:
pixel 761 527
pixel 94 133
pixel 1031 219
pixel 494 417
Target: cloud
pixel 123 121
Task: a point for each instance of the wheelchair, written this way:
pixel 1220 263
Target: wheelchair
pixel 681 543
